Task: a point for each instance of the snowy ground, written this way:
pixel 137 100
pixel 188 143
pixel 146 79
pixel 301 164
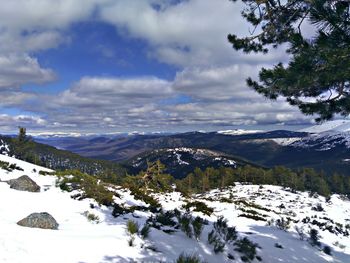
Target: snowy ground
pixel 79 240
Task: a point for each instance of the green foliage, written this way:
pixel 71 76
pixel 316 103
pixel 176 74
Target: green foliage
pixel 91 217
pixel 227 233
pixel 151 179
pixel 145 230
pixel 165 219
pixel 197 225
pixel 41 172
pixel 215 240
pixel 184 258
pixel 283 224
pixel 132 227
pixel 327 250
pixel 302 179
pixel 314 238
pixel 90 186
pixel 199 206
pixel 247 248
pixel 317 77
pixel 141 194
pixel 185 225
pixel 9 167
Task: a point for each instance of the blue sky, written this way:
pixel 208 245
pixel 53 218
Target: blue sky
pixel 101 66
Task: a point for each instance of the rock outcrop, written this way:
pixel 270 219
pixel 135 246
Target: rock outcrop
pixel 39 220
pixel 24 183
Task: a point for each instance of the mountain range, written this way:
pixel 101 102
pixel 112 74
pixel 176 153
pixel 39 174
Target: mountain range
pixel 323 147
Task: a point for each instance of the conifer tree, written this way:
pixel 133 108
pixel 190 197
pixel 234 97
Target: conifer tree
pixel 317 77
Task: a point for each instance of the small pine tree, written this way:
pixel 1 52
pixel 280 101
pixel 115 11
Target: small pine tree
pixel 145 230
pixel 197 225
pixel 132 227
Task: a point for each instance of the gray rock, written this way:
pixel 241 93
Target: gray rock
pixel 24 183
pixel 39 220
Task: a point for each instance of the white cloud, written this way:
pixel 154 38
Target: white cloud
pixel 16 70
pixel 190 33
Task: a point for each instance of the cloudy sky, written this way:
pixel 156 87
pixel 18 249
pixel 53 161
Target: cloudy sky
pixel 123 65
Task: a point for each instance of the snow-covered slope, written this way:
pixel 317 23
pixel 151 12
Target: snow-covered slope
pixel 239 132
pixel 79 240
pixel 336 126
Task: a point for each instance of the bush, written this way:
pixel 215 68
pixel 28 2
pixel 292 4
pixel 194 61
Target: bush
pixel 227 233
pixel 89 185
pixel 166 219
pixel 183 258
pixel 283 224
pixel 197 225
pixel 91 217
pixel 215 241
pixel 119 210
pixel 300 232
pixel 278 246
pixel 185 225
pixel 314 238
pixel 131 241
pixel 254 217
pixel 145 230
pixel 132 227
pixel 327 250
pixel 199 207
pixel 318 208
pixel 247 248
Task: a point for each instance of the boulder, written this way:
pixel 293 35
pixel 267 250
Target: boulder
pixel 39 220
pixel 24 183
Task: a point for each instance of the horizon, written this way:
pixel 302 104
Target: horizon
pixel 104 68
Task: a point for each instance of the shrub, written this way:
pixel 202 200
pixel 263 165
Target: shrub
pixel 89 185
pixel 318 208
pixel 327 250
pixel 145 230
pixel 278 246
pixel 185 225
pixel 231 234
pixel 283 224
pixel 166 219
pixel 220 225
pixel 254 217
pixel 119 210
pixel 154 205
pixel 215 241
pixel 91 217
pixel 197 225
pixel 247 248
pixel 199 207
pixel 183 258
pixel 227 233
pixel 132 227
pixel 300 232
pixel 314 238
pixel 131 241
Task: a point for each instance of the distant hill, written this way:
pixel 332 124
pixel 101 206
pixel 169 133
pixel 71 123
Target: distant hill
pixel 54 158
pixel 180 162
pixel 327 151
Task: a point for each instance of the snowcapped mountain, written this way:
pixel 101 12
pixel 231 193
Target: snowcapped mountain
pixel 239 132
pixel 88 232
pixel 336 126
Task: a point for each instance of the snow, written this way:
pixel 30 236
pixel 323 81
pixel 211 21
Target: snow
pixel 238 132
pixel 330 126
pixel 78 240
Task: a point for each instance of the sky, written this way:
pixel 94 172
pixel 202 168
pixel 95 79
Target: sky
pixel 104 66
